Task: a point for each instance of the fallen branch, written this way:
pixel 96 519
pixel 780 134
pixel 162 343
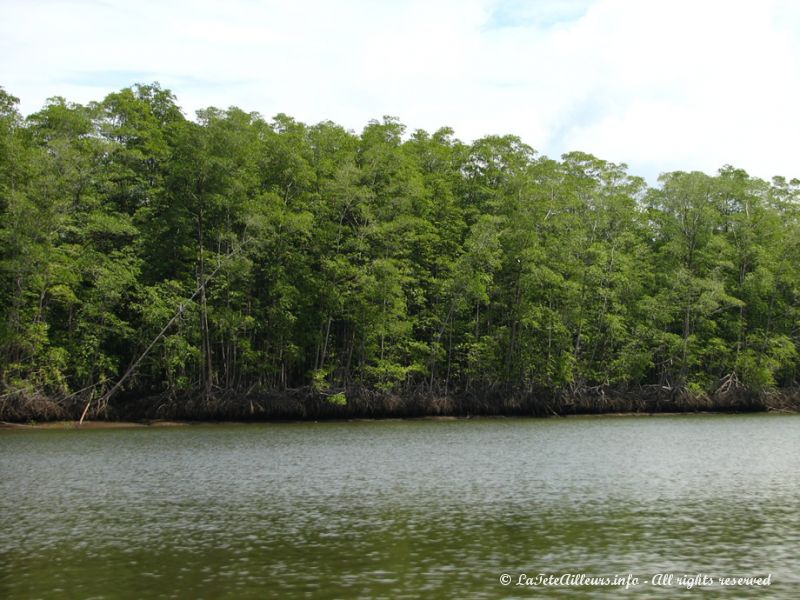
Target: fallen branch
pixel 105 397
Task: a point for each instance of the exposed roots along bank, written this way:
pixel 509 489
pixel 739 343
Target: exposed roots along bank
pixel 363 403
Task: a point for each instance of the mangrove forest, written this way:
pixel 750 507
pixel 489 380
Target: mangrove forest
pixel 234 267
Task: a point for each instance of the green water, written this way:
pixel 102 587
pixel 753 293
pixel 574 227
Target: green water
pixel 411 509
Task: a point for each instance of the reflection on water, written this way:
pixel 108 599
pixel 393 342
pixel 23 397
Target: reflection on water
pixel 399 509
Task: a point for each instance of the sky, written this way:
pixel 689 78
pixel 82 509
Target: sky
pixel 660 85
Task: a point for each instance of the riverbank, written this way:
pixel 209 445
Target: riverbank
pixel 359 403
pixel 92 424
pixel 101 425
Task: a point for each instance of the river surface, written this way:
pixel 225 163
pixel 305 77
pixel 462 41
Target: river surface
pixel 403 509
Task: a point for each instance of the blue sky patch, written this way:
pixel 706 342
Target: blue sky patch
pixel 540 14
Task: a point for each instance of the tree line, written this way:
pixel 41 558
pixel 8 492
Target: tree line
pixel 386 262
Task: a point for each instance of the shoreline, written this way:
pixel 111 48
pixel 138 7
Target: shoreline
pixel 65 425
pixel 305 405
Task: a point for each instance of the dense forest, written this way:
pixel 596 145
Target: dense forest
pixel 233 266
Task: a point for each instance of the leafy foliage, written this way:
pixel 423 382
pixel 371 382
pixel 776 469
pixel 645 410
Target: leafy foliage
pixel 408 263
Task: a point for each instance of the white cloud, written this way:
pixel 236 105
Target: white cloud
pixel 661 85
